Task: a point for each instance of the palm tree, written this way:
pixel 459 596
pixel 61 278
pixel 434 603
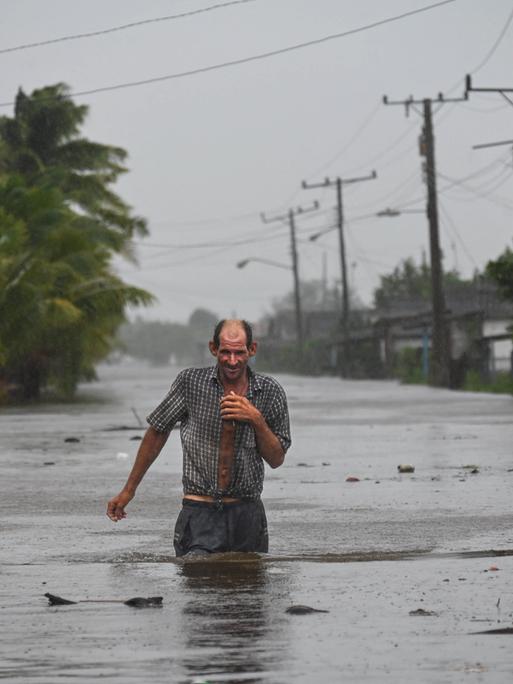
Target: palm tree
pixel 60 224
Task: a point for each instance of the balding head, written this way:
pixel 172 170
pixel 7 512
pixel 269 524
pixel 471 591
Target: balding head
pixel 231 329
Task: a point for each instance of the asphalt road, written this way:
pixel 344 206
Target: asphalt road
pixel 369 551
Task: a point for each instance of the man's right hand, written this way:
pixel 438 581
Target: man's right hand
pixel 116 506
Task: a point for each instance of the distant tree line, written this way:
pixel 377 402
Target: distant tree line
pixel 161 342
pixel 61 223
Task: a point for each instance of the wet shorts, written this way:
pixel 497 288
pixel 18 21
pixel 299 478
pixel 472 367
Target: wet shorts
pixel 205 527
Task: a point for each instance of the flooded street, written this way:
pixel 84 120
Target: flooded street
pixel 370 551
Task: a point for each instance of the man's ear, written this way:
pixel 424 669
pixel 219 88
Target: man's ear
pixel 212 347
pixel 252 349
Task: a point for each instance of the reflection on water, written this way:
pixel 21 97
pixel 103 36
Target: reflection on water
pixel 230 630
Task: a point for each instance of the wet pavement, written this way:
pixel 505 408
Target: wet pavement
pixel 370 551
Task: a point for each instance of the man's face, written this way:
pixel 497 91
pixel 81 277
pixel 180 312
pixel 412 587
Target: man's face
pixel 232 354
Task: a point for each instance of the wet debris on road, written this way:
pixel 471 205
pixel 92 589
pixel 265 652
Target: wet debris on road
pixel 144 602
pixel 420 612
pixel 136 602
pixel 304 610
pixel 405 468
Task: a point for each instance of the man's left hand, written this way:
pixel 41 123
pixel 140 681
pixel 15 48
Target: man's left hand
pixel 235 407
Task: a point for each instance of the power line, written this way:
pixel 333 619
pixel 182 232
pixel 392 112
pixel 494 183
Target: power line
pixel 494 47
pixel 123 27
pixel 245 60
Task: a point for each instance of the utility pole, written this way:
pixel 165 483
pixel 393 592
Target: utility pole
pixel 339 183
pixel 290 217
pixel 440 338
pixel 470 89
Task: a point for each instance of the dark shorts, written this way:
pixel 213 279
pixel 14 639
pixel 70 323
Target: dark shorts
pixel 204 527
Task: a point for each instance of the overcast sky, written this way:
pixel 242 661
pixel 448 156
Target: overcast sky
pixel 209 152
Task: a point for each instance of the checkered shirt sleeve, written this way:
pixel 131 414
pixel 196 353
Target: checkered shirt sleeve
pixel 172 409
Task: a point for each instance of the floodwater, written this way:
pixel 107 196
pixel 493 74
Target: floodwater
pixel 369 551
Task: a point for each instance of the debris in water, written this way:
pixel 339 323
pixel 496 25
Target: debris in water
pixel 136 602
pixel 405 468
pixel 141 602
pixel 121 455
pixel 135 438
pixel 303 465
pixel 49 463
pixel 422 613
pixel 304 610
pixel 352 478
pixel 72 440
pixel 493 568
pixel 325 463
pixel 500 630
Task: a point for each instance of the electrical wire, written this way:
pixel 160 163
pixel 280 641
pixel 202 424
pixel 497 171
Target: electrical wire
pixel 123 27
pixel 252 58
pixel 456 232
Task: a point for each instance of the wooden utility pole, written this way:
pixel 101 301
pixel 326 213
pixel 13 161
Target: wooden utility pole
pixel 290 217
pixel 339 183
pixel 439 374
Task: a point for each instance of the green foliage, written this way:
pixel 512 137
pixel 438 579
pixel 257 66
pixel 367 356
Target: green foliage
pixel 501 271
pixel 408 366
pixel 501 384
pixel 60 224
pixel 409 282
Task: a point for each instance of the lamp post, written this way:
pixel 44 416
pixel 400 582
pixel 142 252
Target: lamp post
pixel 439 335
pixel 269 262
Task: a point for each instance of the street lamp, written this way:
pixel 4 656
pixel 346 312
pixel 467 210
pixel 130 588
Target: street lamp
pixel 297 294
pixel 397 212
pixel 269 262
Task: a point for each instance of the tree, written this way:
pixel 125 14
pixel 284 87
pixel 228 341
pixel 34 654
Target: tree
pixel 60 224
pixel 409 283
pixel 501 272
pixel 41 143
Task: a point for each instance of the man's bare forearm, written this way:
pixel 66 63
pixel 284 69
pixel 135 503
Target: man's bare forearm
pixel 149 449
pixel 269 446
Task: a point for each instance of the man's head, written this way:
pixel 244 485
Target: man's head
pixel 232 345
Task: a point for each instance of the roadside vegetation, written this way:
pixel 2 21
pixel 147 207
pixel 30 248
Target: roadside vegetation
pixel 61 224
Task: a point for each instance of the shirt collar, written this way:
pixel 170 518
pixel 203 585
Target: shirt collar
pixel 254 383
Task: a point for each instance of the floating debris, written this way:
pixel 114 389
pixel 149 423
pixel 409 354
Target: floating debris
pixel 141 602
pixel 500 630
pixel 135 438
pixel 422 613
pixel 405 468
pixel 352 478
pixel 54 600
pixel 48 463
pixel 136 602
pixel 72 440
pixel 304 610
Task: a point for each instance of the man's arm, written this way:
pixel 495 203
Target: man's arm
pixel 149 449
pixel 235 407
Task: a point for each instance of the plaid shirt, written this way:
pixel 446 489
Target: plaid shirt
pixel 194 401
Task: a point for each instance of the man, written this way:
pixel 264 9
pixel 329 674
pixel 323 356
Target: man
pixel 231 420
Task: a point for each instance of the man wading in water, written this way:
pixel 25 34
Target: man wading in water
pixel 231 421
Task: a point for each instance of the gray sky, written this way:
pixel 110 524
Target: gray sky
pixel 207 153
